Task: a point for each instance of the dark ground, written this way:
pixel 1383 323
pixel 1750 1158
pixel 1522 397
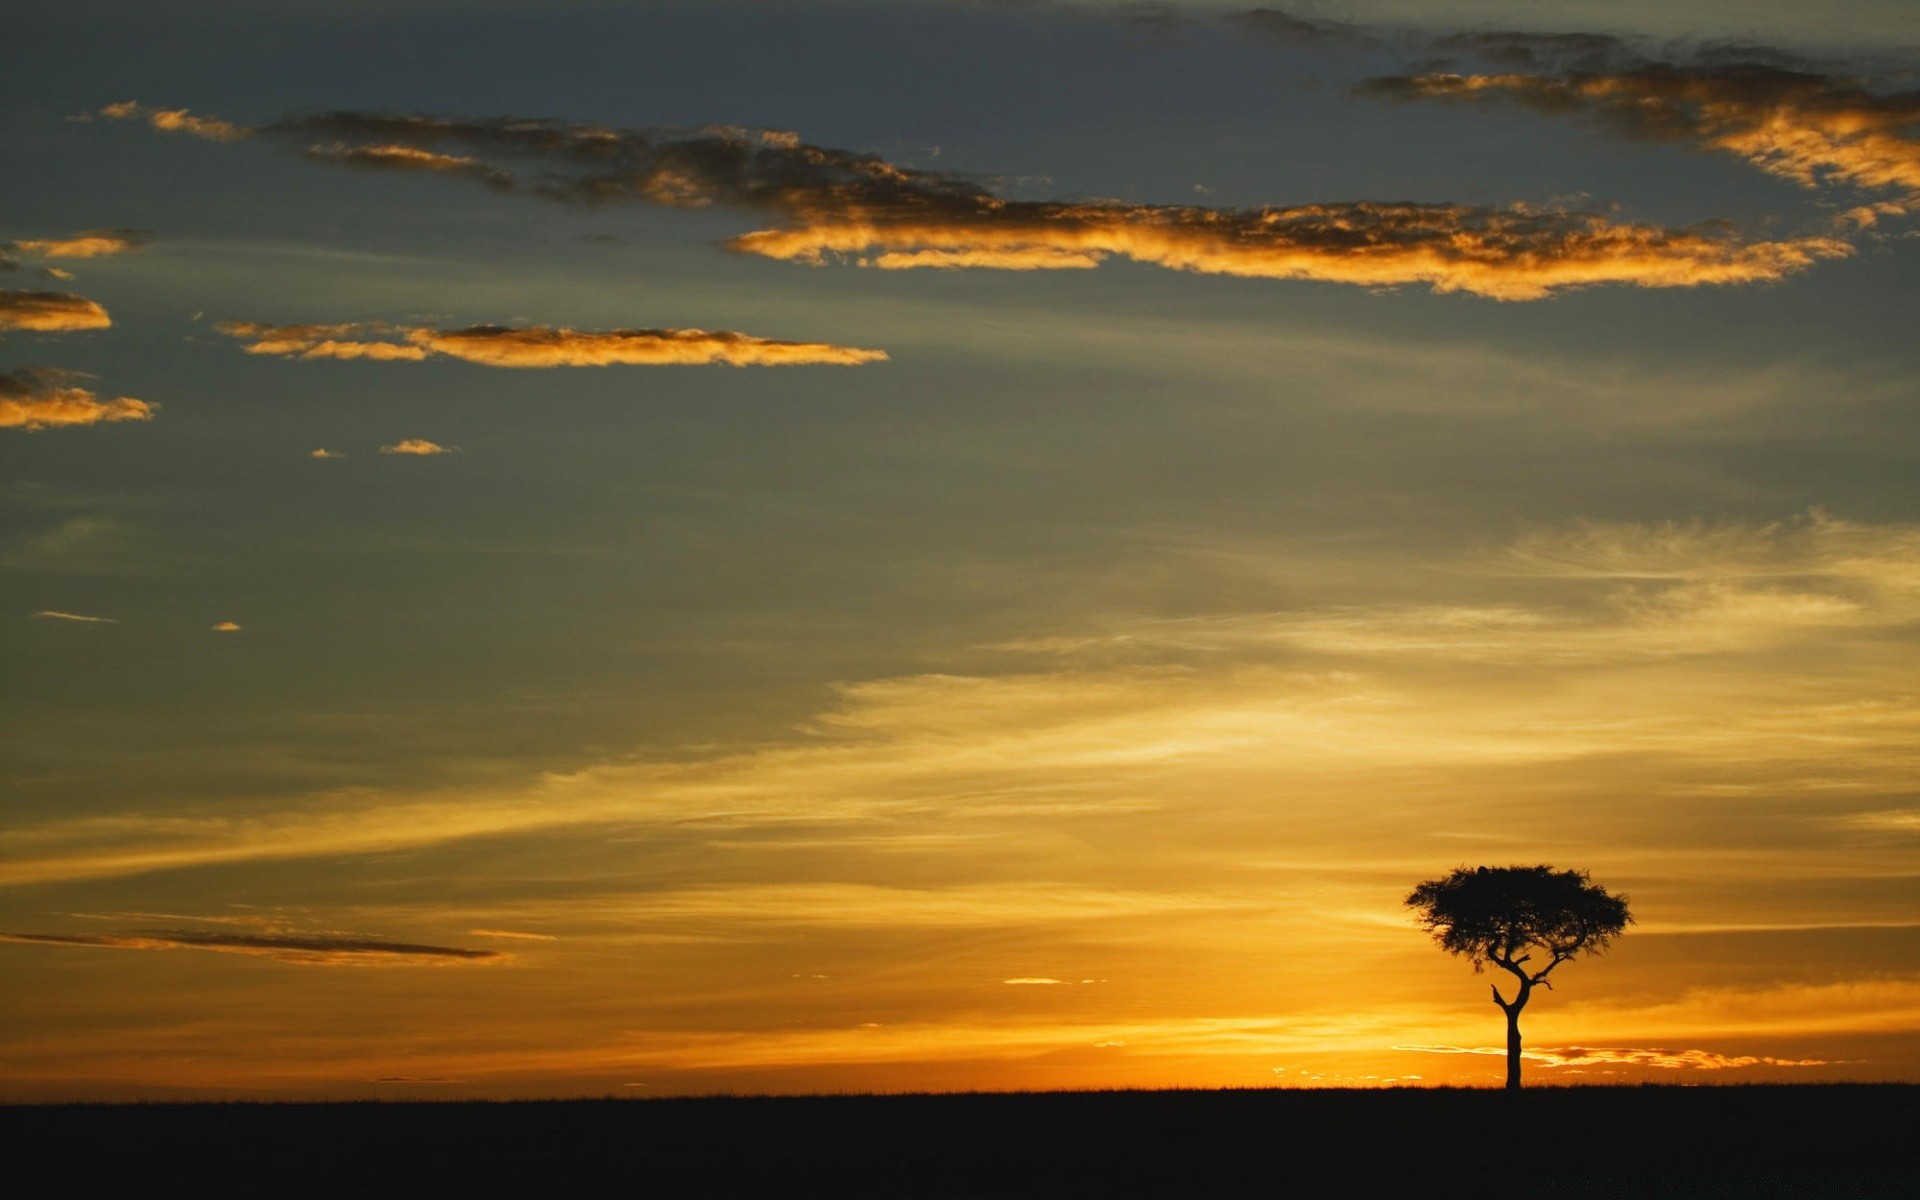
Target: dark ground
pixel 1159 1144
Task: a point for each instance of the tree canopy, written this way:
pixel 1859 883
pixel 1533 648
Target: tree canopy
pixel 1505 914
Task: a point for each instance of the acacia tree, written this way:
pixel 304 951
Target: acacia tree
pixel 1524 920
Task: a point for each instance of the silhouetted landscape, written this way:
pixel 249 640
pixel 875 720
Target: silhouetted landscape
pixel 1121 1143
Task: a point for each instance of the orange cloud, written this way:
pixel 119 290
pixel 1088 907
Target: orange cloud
pixel 88 243
pixel 50 312
pixel 56 615
pixel 344 341
pixel 322 951
pixel 35 398
pixel 832 202
pixel 498 346
pixel 174 120
pixel 394 157
pixel 416 446
pixel 1515 253
pixel 1670 1060
pixel 541 346
pixel 1803 126
pixel 226 627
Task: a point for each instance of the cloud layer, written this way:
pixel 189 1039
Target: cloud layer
pixel 839 204
pixel 35 398
pixel 539 346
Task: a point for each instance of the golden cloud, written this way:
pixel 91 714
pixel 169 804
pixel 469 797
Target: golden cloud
pixel 50 312
pixel 540 346
pixel 417 447
pixel 174 120
pixel 225 627
pixel 56 615
pixel 1803 126
pixel 1663 1059
pixel 88 243
pixel 1516 253
pixel 320 951
pixel 35 398
pixel 497 346
pixel 836 203
pixel 393 157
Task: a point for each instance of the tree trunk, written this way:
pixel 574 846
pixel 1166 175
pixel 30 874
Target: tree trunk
pixel 1513 1047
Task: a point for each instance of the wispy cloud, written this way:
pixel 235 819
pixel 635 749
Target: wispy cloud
pixel 513 935
pixel 57 615
pixel 36 398
pixel 1812 128
pixel 316 951
pixel 417 447
pixel 539 346
pixel 1662 1059
pixel 837 204
pixel 173 120
pixel 50 312
pixel 1795 688
pixel 1292 29
pixel 88 243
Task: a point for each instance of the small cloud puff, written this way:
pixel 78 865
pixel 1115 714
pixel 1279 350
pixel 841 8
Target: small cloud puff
pixel 226 627
pixel 172 120
pixel 50 312
pixel 417 446
pixel 323 452
pixel 88 243
pixel 36 398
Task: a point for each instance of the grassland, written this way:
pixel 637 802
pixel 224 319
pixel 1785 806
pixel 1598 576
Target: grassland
pixel 1770 1139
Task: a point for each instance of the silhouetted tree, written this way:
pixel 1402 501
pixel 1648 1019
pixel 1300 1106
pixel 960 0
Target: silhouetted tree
pixel 1516 916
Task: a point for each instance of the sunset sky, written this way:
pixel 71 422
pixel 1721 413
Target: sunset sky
pixel 602 548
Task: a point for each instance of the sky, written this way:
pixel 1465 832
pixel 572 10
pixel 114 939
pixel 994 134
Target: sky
pixel 654 549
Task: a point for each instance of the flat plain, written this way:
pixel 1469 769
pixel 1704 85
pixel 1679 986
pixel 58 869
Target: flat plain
pixel 1835 1139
